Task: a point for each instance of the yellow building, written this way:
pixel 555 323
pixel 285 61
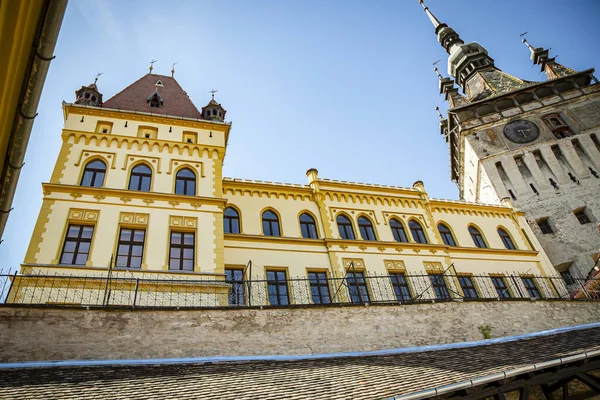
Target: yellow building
pixel 137 212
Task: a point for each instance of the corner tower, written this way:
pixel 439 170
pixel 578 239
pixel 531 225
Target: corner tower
pixel 537 143
pixel 136 189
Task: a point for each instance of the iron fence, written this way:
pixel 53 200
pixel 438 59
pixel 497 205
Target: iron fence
pixel 124 289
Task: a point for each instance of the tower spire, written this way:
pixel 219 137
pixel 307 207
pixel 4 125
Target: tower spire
pixel 447 36
pixel 432 17
pixel 541 57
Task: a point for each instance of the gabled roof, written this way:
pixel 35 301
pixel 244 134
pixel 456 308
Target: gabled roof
pixel 135 97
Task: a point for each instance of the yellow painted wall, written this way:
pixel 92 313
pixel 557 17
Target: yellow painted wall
pixel 159 211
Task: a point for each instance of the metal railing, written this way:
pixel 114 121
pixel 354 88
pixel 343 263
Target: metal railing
pixel 124 289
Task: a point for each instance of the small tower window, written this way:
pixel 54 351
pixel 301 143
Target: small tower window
pixel 87 95
pixel 558 127
pixel 545 226
pixel 582 216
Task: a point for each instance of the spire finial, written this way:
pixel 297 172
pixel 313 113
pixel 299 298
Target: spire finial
pixel 439 113
pixel 97 76
pixel 212 92
pixel 436 70
pixel 173 70
pixel 524 40
pixel 432 17
pixel 151 66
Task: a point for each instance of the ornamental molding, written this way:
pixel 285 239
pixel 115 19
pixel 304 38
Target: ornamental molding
pixel 177 221
pixel 129 218
pixel 81 214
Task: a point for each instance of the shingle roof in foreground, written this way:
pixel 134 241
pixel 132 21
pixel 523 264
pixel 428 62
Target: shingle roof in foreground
pixel 368 377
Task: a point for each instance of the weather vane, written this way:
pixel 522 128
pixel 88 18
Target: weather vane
pixel 212 92
pixel 152 65
pixel 97 76
pixel 173 70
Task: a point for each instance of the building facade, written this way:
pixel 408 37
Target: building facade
pixel 137 191
pixel 537 143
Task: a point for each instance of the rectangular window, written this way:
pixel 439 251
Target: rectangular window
pixel 532 289
pixel 190 137
pixel 104 126
pixel 181 252
pixel 439 286
pixel 235 277
pixel 277 287
pixel 582 217
pixel 545 226
pixel 131 248
pixel 319 287
pixel 147 132
pixel 400 285
pixel 501 288
pixel 357 286
pixel 77 245
pixel 468 287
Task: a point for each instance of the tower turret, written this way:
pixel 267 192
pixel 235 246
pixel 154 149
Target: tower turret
pixel 541 57
pixel 213 111
pixel 89 95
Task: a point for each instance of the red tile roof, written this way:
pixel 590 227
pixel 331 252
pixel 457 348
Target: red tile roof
pixel 134 97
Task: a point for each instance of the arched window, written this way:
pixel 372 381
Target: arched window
pixel 93 174
pixel 398 231
pixel 366 228
pixel 141 176
pixel 345 227
pixel 417 232
pixel 508 243
pixel 185 182
pixel 231 220
pixel 446 234
pixel 308 226
pixel 270 223
pixel 477 237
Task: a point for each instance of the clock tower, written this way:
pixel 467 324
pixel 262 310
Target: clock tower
pixel 536 143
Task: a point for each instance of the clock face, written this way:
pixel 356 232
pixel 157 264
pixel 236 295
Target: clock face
pixel 521 131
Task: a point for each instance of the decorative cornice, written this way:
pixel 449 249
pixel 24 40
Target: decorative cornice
pixel 268 189
pixel 146 117
pixel 130 194
pixel 130 141
pixel 274 239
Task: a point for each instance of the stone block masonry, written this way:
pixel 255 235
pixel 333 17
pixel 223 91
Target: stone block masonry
pixel 37 334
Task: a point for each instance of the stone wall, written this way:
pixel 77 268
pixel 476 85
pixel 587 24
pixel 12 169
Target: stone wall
pixel 28 334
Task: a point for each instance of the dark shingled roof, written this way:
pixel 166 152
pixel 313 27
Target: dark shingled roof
pixel 367 377
pixel 135 97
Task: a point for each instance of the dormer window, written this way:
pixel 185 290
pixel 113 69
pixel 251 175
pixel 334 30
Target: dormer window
pixel 87 95
pixel 159 83
pixel 155 100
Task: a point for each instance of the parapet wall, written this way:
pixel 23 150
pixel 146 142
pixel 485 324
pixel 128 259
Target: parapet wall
pixel 28 334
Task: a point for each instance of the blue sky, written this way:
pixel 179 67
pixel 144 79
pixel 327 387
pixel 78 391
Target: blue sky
pixel 343 86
